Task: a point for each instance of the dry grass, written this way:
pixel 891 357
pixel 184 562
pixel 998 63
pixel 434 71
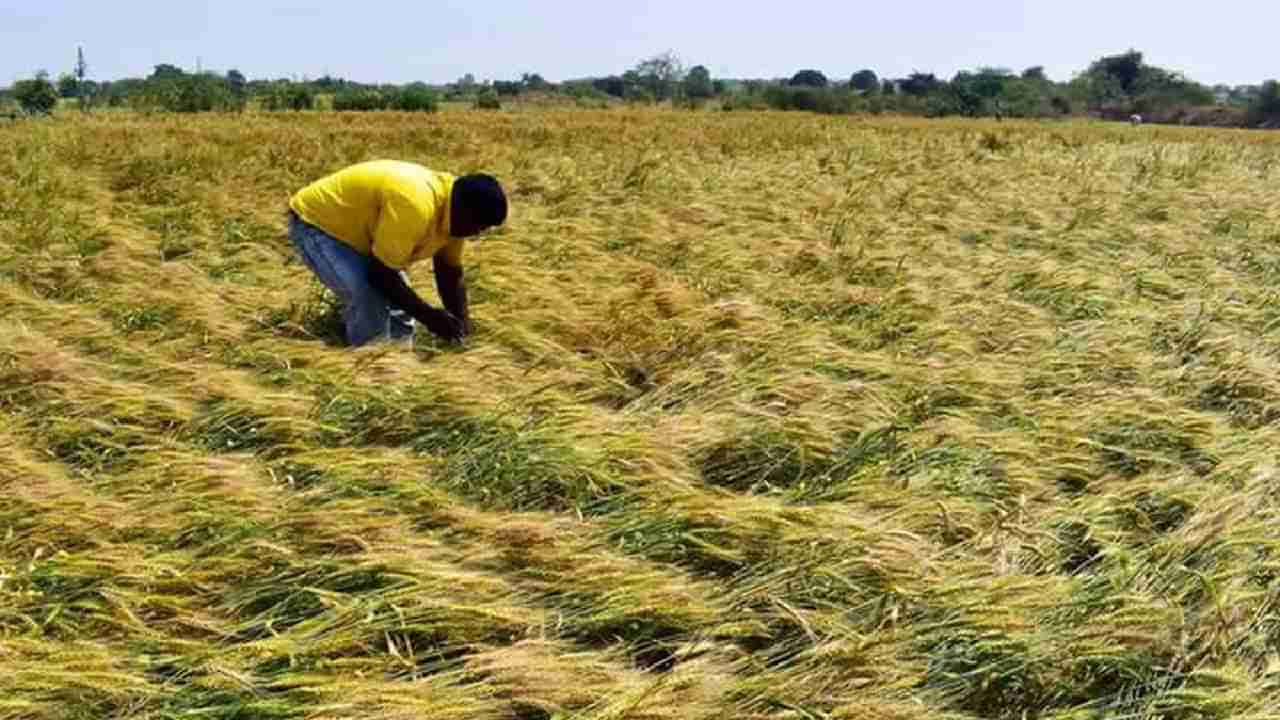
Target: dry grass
pixel 768 416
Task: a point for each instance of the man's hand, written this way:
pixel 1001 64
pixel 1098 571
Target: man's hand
pixel 442 323
pixel 453 290
pixel 445 326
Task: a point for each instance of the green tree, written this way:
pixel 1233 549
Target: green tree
pixel 361 99
pixel 659 74
pixel 965 99
pixel 204 92
pixel 1123 69
pixel 286 95
pixel 1026 98
pixel 236 82
pixel 416 97
pixel 865 81
pixel 1264 109
pixel 488 99
pixel 808 78
pixel 534 82
pixel 1035 74
pixel 697 84
pixel 37 95
pixel 118 92
pixel 920 84
pixel 612 85
pixel 298 96
pixel 167 71
pixel 990 83
pixel 67 86
pixel 237 89
pixel 1158 89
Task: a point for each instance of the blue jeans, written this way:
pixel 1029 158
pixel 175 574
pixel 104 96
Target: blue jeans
pixel 366 311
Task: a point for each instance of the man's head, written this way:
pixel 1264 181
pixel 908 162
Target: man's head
pixel 477 204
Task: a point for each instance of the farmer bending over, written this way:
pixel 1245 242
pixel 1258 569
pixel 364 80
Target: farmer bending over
pixel 359 228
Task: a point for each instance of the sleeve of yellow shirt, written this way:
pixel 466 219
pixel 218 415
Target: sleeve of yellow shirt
pixel 400 225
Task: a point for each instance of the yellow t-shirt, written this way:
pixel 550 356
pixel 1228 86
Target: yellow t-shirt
pixel 396 211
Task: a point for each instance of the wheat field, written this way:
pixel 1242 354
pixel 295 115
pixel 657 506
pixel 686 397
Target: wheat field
pixel 766 416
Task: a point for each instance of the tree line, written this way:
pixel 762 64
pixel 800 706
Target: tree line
pixel 1114 86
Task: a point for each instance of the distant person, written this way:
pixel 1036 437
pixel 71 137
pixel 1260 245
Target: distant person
pixel 359 228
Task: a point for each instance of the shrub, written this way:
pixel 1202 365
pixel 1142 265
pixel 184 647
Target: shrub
pixel 584 90
pixel 488 100
pixel 37 96
pixel 300 97
pixel 1264 109
pixel 743 101
pixel 507 88
pixel 639 95
pixel 811 99
pixel 199 93
pixel 362 100
pixel 416 98
pixel 592 101
pixel 288 96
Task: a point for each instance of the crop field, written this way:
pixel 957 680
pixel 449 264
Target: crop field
pixel 766 416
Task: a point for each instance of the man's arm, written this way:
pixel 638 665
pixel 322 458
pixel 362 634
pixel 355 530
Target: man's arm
pixel 453 290
pixel 390 284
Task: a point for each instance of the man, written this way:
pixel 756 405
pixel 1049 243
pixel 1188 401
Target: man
pixel 359 228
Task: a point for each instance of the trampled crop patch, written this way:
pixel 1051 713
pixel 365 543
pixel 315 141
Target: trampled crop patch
pixel 766 416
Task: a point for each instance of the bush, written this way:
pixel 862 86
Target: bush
pixel 1264 109
pixel 585 91
pixel 288 96
pixel 488 100
pixel 507 88
pixel 37 96
pixel 592 101
pixel 638 95
pixel 119 93
pixel 300 97
pixel 416 98
pixel 363 100
pixel 613 86
pixel 742 101
pixel 200 93
pixel 810 99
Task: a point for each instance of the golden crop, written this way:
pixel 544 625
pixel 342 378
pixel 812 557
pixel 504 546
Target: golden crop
pixel 767 416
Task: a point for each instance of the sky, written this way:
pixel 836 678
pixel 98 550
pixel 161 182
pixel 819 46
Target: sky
pixel 436 41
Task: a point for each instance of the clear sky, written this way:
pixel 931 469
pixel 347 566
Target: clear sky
pixel 1227 41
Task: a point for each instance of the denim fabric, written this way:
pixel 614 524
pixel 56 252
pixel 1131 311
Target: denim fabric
pixel 368 315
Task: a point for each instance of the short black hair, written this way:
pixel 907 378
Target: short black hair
pixel 483 198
